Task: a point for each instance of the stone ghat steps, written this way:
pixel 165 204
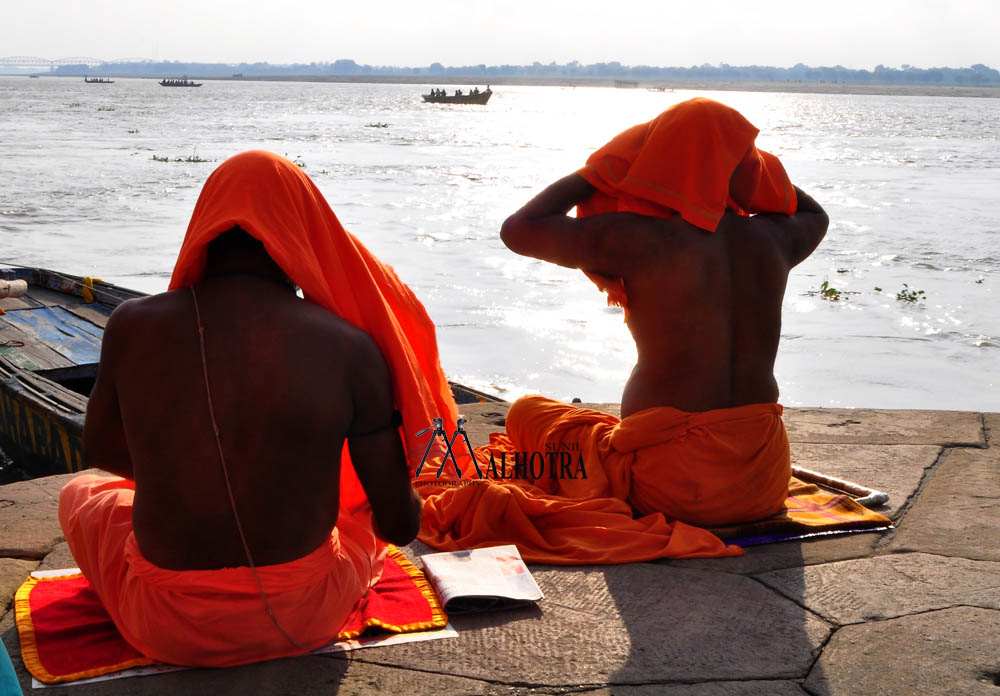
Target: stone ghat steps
pixel 916 610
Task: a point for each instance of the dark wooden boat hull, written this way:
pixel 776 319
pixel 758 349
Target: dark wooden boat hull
pixel 49 349
pixel 480 98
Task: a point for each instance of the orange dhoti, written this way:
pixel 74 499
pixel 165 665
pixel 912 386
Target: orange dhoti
pixel 214 618
pixel 648 479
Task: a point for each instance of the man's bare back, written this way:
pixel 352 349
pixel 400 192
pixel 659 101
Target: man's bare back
pixel 704 308
pixel 289 382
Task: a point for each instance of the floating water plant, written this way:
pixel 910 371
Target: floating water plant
pixel 828 292
pixel 189 158
pixel 909 295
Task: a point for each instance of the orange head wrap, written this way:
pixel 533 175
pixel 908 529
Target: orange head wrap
pixel 695 159
pixel 275 202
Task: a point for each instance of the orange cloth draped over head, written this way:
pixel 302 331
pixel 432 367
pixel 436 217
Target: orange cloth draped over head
pixel 275 202
pixel 694 160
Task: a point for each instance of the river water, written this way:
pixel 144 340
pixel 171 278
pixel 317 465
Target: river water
pixel 911 185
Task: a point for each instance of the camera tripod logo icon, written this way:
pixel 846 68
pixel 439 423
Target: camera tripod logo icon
pixel 439 431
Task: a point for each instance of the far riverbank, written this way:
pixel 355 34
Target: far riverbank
pixel 906 90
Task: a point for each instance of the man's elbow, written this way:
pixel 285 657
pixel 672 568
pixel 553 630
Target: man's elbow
pixel 404 529
pixel 402 524
pixel 512 233
pixel 822 225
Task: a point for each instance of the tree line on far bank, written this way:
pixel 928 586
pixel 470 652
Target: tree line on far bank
pixel 975 75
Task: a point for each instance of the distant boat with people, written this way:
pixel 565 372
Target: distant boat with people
pixel 97 81
pixel 174 82
pixel 474 96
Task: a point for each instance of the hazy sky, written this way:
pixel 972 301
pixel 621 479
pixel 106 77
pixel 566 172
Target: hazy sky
pixel 854 33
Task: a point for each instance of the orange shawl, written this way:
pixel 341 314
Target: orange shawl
pixel 694 160
pixel 666 465
pixel 275 202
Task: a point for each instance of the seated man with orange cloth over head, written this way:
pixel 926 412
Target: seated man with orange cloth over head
pixel 238 529
pixel 664 225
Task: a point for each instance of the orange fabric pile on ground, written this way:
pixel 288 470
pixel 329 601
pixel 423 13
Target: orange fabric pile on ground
pixel 694 160
pixel 66 634
pixel 706 468
pixel 643 474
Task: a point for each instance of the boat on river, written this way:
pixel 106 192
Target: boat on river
pixel 50 346
pixel 183 82
pixel 98 81
pixel 441 96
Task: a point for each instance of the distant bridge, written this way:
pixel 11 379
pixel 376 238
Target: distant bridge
pixel 53 63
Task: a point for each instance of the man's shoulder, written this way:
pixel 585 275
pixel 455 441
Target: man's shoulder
pixel 141 309
pixel 313 318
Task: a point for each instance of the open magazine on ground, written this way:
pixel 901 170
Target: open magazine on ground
pixel 481 579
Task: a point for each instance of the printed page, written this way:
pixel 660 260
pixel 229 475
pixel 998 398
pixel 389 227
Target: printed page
pixel 481 579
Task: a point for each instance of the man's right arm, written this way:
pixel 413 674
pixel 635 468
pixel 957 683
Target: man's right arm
pixel 104 443
pixel 377 451
pixel 801 233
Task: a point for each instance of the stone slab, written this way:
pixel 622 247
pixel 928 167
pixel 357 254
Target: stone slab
pixel 483 419
pixel 749 688
pixel 29 524
pixel 629 624
pixel 320 675
pixel 992 422
pixel 604 407
pixel 958 511
pixel 893 469
pixel 952 651
pixel 13 573
pixel 58 558
pixel 788 554
pixel 897 427
pixel 354 675
pixel 873 589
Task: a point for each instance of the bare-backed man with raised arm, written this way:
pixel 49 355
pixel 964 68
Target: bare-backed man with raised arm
pixel 236 530
pixel 665 227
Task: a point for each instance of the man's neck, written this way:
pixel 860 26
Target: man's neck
pixel 263 274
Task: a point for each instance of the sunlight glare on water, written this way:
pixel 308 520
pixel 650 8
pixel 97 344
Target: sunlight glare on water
pixel 910 184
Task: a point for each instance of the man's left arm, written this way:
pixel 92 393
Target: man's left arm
pixel 104 444
pixel 543 230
